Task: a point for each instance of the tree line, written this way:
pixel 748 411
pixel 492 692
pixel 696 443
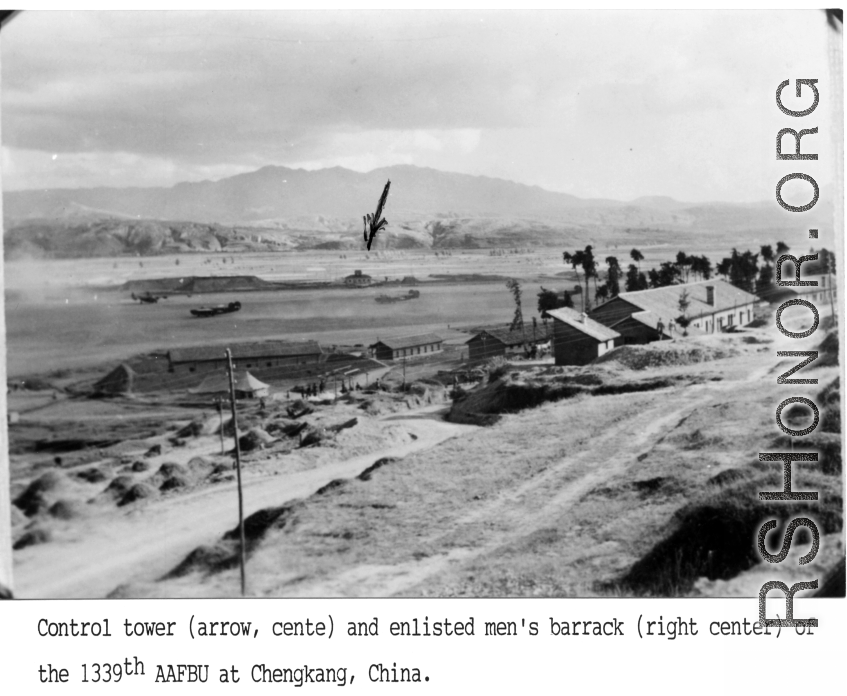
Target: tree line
pixel 746 270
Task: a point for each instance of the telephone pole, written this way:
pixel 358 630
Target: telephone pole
pixel 243 550
pixel 220 401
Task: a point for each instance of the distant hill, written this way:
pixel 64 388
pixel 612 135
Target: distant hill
pixel 278 208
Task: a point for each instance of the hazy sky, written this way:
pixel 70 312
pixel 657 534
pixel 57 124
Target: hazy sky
pixel 612 104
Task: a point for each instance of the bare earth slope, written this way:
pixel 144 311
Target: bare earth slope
pixel 144 543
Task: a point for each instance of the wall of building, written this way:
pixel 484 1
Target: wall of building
pixel 572 347
pixel 714 323
pixel 262 362
pixel 484 350
pixel 416 351
pixel 383 352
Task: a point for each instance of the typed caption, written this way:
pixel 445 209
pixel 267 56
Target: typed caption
pixel 241 636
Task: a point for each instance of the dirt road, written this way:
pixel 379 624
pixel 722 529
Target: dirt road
pixel 513 514
pixel 141 545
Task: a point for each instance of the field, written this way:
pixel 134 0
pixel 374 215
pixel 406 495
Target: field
pixel 634 481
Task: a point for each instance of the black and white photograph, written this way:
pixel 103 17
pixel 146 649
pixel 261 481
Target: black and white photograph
pixel 423 304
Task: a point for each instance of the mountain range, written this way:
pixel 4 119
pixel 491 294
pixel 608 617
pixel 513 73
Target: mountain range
pixel 278 208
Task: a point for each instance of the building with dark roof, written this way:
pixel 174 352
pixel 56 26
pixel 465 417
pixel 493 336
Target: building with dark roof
pixel 406 347
pixel 358 280
pixel 258 355
pixel 714 305
pixel 494 342
pixel 577 338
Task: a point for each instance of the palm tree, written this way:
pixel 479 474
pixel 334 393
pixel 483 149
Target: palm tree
pixel 589 267
pixel 636 256
pixel 515 287
pixel 613 276
pixel 577 261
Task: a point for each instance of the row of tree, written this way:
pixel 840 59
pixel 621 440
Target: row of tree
pixel 741 269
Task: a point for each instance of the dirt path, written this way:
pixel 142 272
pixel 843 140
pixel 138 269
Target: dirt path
pixel 534 503
pixel 143 544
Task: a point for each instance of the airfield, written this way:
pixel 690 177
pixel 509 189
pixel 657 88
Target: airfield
pixel 597 494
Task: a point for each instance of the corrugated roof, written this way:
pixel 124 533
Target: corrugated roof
pixel 397 342
pixel 664 302
pixel 586 324
pixel 240 351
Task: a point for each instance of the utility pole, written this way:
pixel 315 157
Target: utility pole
pixel 238 467
pixel 220 402
pixel 404 373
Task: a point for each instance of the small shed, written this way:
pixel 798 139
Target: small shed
pixel 578 339
pixel 407 347
pixel 246 386
pixel 358 280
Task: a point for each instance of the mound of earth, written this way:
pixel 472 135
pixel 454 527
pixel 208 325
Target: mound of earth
pixel 198 466
pixel 64 509
pixel 139 491
pixel 92 475
pixel 169 469
pixel 661 355
pixel 517 391
pixel 193 429
pixel 117 487
pixel 39 494
pixel 254 439
pixel 31 537
pixel 174 482
pixel 225 553
pixel 315 436
pixel 285 427
pixel 154 451
pixel 484 405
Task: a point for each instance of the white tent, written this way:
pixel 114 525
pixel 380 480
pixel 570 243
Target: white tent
pixel 246 385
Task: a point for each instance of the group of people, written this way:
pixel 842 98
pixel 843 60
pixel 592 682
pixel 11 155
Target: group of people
pixel 530 352
pixel 533 351
pixel 312 389
pixel 315 388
